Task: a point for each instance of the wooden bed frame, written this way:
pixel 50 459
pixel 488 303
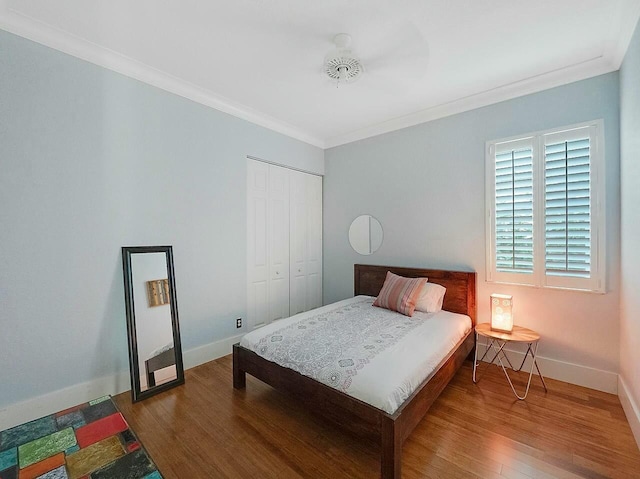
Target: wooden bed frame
pixel 162 360
pixel 390 430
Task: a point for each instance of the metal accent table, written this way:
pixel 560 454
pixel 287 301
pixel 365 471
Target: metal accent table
pixel 498 340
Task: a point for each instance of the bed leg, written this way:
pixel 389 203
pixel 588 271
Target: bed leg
pixel 239 376
pixel 391 450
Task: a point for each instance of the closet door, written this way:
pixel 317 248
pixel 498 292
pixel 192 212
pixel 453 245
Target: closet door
pixel 298 242
pixel 284 242
pixel 314 241
pixel 306 242
pixel 257 245
pixel 278 220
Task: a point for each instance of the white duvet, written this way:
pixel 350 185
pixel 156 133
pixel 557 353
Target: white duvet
pixel 370 353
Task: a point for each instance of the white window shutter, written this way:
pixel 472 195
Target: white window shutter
pixel 514 210
pixel 545 209
pixel 567 204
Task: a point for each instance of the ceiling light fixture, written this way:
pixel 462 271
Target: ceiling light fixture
pixel 340 64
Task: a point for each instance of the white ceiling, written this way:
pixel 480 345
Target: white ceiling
pixel 262 59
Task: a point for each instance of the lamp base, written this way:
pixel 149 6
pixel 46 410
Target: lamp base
pixel 507 331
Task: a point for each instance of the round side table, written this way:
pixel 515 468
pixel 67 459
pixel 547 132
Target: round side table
pixel 498 340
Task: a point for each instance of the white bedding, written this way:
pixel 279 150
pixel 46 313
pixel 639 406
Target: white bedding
pixel 375 355
pixel 160 350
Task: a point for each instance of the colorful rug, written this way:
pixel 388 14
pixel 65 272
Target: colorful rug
pixel 89 441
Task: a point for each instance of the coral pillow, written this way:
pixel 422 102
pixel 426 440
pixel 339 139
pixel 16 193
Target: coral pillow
pixel 400 294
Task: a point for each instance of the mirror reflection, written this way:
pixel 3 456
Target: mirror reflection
pixel 154 333
pixel 365 234
pixel 152 319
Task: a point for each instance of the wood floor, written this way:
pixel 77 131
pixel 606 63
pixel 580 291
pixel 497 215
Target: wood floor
pixel 206 429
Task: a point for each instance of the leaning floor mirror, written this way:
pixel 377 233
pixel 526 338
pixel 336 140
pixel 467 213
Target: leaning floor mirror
pixel 155 354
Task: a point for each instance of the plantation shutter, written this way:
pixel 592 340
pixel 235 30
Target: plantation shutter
pixel 545 200
pixel 567 167
pixel 514 207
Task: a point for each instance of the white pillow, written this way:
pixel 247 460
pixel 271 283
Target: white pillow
pixel 431 298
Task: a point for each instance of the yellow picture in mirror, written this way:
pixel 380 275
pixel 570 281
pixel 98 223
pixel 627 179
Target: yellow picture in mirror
pixel 158 292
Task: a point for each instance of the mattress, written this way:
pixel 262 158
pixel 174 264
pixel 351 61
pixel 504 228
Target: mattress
pixel 372 354
pixel 160 350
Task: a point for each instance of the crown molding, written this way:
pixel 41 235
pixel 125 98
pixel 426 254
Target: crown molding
pixel 622 32
pixel 65 42
pixel 47 35
pixel 580 71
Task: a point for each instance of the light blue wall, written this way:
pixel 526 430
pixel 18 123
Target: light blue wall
pixel 426 186
pixel 630 223
pixel 91 161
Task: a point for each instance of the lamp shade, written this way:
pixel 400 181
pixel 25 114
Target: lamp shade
pixel 502 313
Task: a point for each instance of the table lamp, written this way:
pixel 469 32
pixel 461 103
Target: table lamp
pixel 502 313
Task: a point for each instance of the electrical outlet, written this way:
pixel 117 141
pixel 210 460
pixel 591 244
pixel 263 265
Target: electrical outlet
pixel 239 323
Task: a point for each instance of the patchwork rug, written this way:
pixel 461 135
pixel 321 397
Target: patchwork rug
pixel 88 441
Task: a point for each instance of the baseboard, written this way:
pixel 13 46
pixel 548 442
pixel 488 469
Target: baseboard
pixel 36 407
pixel 202 354
pixel 630 407
pixel 592 378
pixel 39 406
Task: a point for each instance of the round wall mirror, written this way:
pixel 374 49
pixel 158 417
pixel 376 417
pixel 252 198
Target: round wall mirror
pixel 365 234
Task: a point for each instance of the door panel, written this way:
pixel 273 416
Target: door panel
pixel 257 252
pixel 278 242
pixel 314 241
pixel 297 235
pixel 258 304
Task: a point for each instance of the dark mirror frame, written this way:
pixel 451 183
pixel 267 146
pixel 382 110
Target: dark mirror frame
pixel 136 393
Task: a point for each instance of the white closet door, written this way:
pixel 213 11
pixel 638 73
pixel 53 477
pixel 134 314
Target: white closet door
pixel 298 242
pixel 257 252
pixel 278 220
pixel 314 241
pixel 284 242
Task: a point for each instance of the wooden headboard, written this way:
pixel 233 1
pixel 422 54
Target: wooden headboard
pixel 461 286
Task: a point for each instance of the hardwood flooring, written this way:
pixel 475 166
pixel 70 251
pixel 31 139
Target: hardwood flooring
pixel 206 429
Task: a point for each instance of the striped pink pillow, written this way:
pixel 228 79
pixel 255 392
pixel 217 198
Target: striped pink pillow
pixel 400 294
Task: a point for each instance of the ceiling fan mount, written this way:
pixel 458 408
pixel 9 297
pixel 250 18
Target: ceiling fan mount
pixel 340 64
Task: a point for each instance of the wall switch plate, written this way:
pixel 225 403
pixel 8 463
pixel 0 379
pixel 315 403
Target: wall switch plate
pixel 239 323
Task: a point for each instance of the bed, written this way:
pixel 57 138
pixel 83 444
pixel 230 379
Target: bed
pixel 390 430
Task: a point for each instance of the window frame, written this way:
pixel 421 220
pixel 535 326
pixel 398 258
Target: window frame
pixel 539 278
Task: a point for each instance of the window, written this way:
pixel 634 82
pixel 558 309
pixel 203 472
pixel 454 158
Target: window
pixel 545 221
